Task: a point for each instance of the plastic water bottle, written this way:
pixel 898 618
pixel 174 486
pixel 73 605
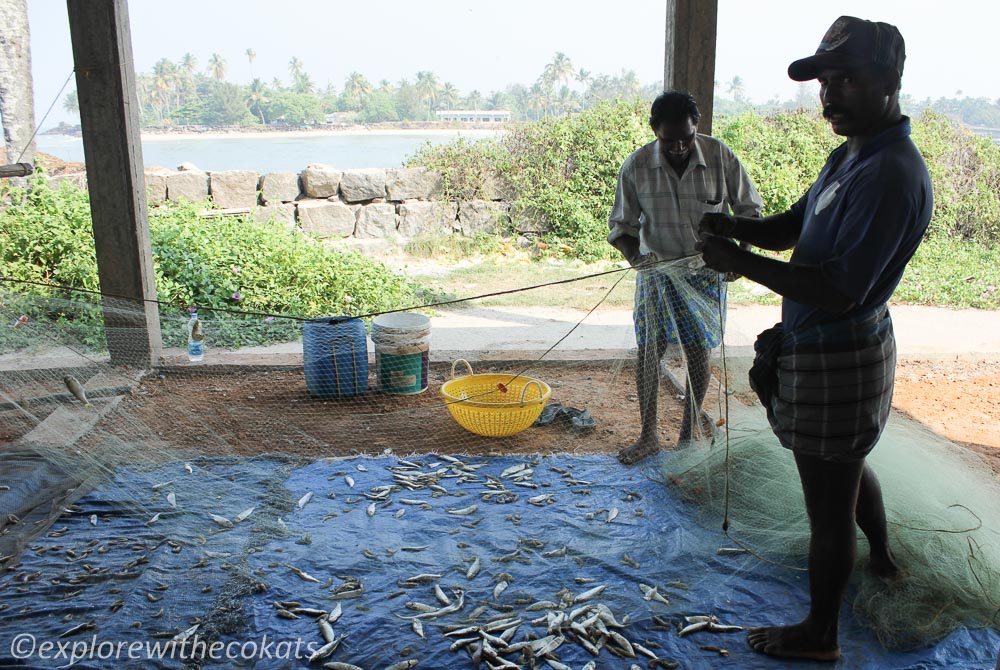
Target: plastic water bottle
pixel 196 339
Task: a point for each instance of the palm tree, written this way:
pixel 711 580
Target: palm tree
pixel 251 56
pixel 428 87
pixel 357 88
pixel 303 83
pixel 449 95
pixel 71 103
pixel 736 89
pixel 189 63
pixel 560 70
pixel 630 85
pixel 474 100
pixel 256 97
pixel 217 67
pixel 295 67
pixel 164 83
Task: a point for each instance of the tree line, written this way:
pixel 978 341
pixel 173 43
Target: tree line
pixel 183 94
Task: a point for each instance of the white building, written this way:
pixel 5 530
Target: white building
pixel 474 115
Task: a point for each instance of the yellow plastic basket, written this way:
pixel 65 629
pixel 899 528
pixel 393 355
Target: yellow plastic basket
pixel 480 405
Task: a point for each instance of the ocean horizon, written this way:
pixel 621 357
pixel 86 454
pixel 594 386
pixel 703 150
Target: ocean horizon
pixel 278 152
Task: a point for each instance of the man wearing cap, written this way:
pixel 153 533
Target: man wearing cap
pixel 825 373
pixel 664 188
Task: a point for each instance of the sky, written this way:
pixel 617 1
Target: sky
pixel 487 46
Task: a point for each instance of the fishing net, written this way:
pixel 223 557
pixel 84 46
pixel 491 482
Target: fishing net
pixel 322 475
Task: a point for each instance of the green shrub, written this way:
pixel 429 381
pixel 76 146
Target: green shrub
pixel 469 169
pixel 965 172
pixel 782 153
pixel 564 171
pixel 217 264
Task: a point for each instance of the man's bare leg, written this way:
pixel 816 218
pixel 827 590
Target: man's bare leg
pixel 698 371
pixel 831 496
pixel 647 382
pixel 870 514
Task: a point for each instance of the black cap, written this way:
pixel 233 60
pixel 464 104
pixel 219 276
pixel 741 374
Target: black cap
pixel 852 42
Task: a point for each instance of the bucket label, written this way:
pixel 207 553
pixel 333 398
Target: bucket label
pixel 398 380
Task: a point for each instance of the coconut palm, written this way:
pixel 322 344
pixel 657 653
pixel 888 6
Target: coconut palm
pixel 474 100
pixel 428 87
pixel 256 97
pixel 560 70
pixel 295 67
pixel 303 84
pixel 71 103
pixel 189 63
pixel 217 67
pixel 163 84
pixel 630 86
pixel 251 56
pixel 449 96
pixel 736 89
pixel 356 88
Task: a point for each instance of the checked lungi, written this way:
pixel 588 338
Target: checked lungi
pixel 677 304
pixel 834 386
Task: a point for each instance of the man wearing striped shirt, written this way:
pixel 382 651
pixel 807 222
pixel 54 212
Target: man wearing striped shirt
pixel 664 189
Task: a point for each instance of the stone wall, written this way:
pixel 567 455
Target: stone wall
pixel 367 208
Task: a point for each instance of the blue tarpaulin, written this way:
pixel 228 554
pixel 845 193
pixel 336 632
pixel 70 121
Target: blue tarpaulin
pixel 111 574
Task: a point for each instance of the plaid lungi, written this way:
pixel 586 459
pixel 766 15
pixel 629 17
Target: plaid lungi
pixel 834 387
pixel 680 305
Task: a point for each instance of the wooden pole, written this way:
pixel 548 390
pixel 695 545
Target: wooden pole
pixel 109 118
pixel 689 58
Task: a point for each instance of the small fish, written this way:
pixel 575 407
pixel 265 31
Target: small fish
pixel 591 593
pixel 404 665
pixel 188 468
pixel 156 517
pixel 418 627
pixel 399 513
pixel 185 634
pixel 172 499
pixel 76 388
pixel 500 588
pixel 465 511
pixel 221 520
pixel 305 499
pixel 370 509
pixel 335 613
pixel 326 630
pixel 612 515
pixel 473 569
pixel 242 516
pixel 349 480
pixel 361 468
pixel 93 519
pixel 325 650
pixel 301 573
pixel 731 551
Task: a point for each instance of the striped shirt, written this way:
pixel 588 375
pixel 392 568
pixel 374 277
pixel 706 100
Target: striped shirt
pixel 664 210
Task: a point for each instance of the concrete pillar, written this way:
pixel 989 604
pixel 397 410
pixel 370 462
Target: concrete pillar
pixel 16 94
pixel 689 59
pixel 105 84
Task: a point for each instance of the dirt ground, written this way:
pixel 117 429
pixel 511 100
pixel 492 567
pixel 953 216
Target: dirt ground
pixel 250 412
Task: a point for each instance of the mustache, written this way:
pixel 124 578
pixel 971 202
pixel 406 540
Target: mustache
pixel 830 110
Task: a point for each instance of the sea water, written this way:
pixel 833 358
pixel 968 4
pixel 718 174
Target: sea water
pixel 265 153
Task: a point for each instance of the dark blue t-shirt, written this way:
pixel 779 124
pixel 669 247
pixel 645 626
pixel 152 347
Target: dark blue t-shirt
pixel 862 221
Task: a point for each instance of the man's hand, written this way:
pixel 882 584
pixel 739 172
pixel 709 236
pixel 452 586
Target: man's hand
pixel 717 223
pixel 719 253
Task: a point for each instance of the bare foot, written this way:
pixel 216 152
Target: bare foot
pixel 792 642
pixel 883 564
pixel 641 450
